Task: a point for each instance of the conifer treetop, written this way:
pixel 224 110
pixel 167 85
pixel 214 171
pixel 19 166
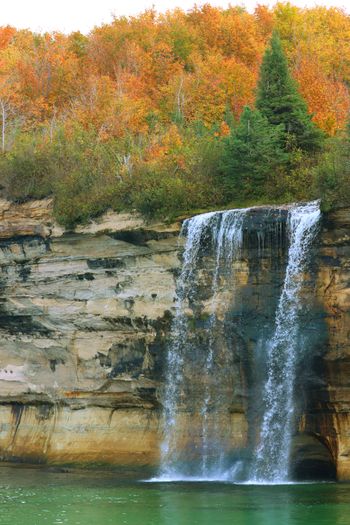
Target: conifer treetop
pixel 279 100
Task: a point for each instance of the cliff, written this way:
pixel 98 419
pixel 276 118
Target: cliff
pixel 84 322
pixel 327 415
pixel 82 319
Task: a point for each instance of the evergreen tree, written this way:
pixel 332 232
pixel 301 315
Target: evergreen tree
pixel 278 99
pixel 252 152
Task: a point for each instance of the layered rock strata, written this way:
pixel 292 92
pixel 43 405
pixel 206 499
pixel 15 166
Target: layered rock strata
pixel 83 317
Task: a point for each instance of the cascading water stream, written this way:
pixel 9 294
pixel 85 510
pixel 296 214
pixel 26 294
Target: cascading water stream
pixel 228 239
pixel 225 232
pixel 271 459
pixel 178 346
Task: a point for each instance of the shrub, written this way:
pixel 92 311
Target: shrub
pixel 25 172
pixel 332 174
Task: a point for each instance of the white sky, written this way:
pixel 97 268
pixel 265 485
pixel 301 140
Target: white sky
pixel 83 15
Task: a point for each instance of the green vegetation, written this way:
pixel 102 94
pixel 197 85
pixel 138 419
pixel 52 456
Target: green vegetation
pixel 78 171
pixel 331 176
pixel 252 152
pixel 86 177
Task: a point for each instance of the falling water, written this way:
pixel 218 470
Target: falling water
pixel 228 239
pixel 224 229
pixel 271 460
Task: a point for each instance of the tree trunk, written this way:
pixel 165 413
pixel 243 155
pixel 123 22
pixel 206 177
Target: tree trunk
pixel 3 124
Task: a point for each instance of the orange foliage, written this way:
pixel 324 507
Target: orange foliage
pixel 327 99
pixel 135 73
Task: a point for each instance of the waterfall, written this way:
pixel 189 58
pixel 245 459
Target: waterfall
pixel 223 231
pixel 198 392
pixel 228 238
pixel 271 458
pixel 179 345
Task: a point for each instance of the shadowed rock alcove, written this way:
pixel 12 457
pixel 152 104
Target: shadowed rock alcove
pixel 311 460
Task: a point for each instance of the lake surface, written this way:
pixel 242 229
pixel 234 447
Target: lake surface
pixel 36 496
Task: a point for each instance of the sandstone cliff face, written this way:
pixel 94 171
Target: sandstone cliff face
pixel 327 415
pixel 83 318
pixel 84 321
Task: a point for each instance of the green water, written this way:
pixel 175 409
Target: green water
pixel 35 497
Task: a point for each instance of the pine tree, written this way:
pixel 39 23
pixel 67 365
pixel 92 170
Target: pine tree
pixel 253 151
pixel 280 102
